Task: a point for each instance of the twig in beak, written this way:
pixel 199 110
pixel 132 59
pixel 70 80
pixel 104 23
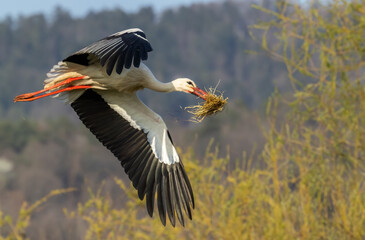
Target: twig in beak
pixel 213 103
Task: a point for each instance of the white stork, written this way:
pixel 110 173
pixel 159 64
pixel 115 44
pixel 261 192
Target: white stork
pixel 100 81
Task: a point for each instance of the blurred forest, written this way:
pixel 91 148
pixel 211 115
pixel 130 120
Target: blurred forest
pixel 286 153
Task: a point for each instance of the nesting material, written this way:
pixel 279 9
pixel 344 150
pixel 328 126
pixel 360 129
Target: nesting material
pixel 214 103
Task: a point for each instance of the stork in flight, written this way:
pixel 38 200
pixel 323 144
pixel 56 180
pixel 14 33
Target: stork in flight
pixel 100 82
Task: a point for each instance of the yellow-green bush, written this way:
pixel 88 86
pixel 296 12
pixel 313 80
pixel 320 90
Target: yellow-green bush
pixel 232 203
pixel 16 229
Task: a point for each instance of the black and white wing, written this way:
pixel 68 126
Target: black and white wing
pixel 118 50
pixel 138 137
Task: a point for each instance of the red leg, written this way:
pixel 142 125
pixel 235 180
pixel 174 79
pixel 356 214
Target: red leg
pixel 31 96
pixel 18 99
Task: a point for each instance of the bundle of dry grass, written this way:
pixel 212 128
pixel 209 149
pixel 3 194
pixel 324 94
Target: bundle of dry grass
pixel 214 103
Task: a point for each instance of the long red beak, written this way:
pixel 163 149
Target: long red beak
pixel 200 93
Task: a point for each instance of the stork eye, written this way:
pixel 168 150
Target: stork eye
pixel 190 83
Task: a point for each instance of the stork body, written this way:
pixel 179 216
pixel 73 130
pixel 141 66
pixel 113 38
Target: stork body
pixel 100 82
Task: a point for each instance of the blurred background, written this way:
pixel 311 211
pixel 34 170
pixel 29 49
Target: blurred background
pixel 43 145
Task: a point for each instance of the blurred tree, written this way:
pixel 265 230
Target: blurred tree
pixel 318 148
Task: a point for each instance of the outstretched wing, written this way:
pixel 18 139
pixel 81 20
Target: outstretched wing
pixel 138 137
pixel 117 50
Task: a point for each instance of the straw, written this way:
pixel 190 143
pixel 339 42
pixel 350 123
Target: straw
pixel 214 103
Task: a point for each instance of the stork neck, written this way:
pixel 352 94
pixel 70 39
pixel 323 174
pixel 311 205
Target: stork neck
pixel 158 86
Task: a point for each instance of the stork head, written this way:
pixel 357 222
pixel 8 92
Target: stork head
pixel 187 85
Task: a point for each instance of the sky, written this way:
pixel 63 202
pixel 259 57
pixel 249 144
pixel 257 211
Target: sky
pixel 79 8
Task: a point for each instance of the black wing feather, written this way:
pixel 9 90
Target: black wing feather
pixel 161 205
pixel 117 50
pixel 143 178
pixel 136 58
pixel 150 176
pixel 177 196
pixel 120 64
pixel 167 196
pixel 129 57
pixel 151 188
